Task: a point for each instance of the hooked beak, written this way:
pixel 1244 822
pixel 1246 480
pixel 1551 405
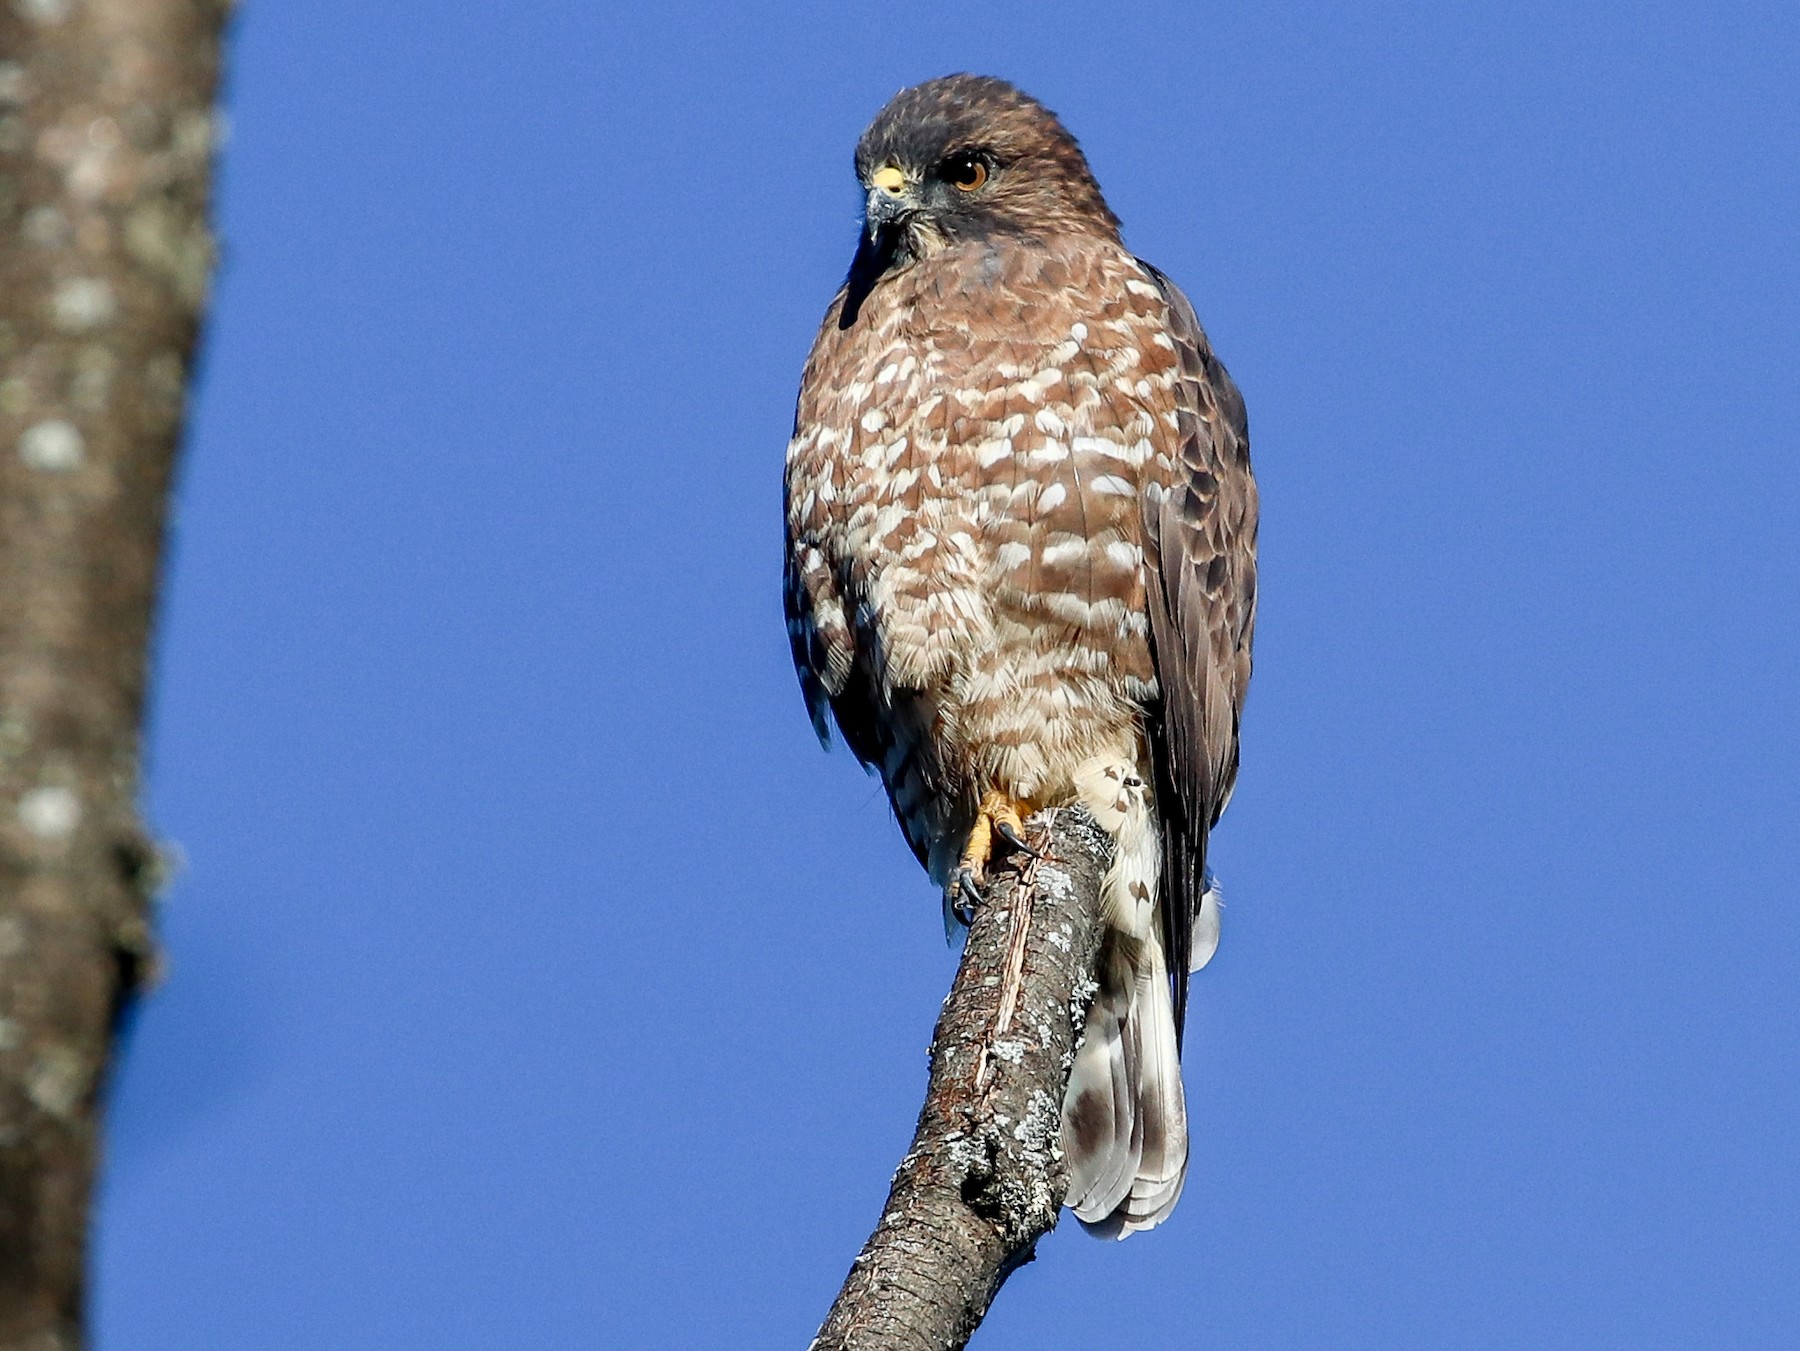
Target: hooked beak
pixel 882 211
pixel 890 200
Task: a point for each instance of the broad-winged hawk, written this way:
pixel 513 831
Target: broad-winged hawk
pixel 1021 535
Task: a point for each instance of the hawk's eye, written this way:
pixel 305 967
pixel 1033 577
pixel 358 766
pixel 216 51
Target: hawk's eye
pixel 965 172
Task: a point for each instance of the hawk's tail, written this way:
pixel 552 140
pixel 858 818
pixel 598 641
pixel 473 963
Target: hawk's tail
pixel 1125 1117
pixel 1124 1129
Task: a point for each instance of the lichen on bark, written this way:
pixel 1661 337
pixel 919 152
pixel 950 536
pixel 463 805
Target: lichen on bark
pixel 984 1178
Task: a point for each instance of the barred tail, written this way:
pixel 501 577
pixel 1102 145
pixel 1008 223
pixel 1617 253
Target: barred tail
pixel 1124 1130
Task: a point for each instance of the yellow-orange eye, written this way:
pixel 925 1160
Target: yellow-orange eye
pixel 966 172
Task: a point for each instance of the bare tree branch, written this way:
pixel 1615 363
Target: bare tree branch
pixel 984 1178
pixel 106 139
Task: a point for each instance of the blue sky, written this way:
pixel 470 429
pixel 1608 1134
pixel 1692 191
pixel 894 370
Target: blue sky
pixel 535 981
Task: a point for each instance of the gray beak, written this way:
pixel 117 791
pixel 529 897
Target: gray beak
pixel 884 209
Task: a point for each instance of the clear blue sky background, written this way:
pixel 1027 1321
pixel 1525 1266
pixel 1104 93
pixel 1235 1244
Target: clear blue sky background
pixel 534 981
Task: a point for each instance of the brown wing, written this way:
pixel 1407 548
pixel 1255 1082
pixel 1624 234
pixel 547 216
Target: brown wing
pixel 1200 560
pixel 834 667
pixel 819 635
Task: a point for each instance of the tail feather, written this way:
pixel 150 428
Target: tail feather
pixel 1125 1117
pixel 1204 940
pixel 1102 1133
pixel 1161 1103
pixel 1124 1132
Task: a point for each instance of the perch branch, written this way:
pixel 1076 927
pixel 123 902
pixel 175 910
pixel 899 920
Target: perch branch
pixel 984 1178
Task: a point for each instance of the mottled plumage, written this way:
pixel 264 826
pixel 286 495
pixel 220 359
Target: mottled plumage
pixel 1021 564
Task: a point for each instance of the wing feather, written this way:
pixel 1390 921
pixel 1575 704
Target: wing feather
pixel 1200 558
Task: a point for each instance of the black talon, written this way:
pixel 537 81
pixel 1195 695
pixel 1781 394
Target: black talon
pixel 1005 830
pixel 971 897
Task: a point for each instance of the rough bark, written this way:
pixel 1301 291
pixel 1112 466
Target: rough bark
pixel 106 137
pixel 984 1178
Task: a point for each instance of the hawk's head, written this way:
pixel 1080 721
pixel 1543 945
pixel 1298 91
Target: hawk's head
pixel 968 157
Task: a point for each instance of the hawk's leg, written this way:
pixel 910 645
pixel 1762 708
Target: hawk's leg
pixel 998 818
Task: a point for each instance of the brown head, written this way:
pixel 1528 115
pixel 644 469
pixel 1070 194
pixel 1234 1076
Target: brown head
pixel 966 158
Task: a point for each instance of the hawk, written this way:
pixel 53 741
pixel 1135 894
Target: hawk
pixel 1021 569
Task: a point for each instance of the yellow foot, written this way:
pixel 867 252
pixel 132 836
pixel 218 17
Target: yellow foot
pixel 999 817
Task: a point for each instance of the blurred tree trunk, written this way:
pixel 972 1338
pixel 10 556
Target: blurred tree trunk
pixel 106 139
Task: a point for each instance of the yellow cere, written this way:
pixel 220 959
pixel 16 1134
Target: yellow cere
pixel 888 179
